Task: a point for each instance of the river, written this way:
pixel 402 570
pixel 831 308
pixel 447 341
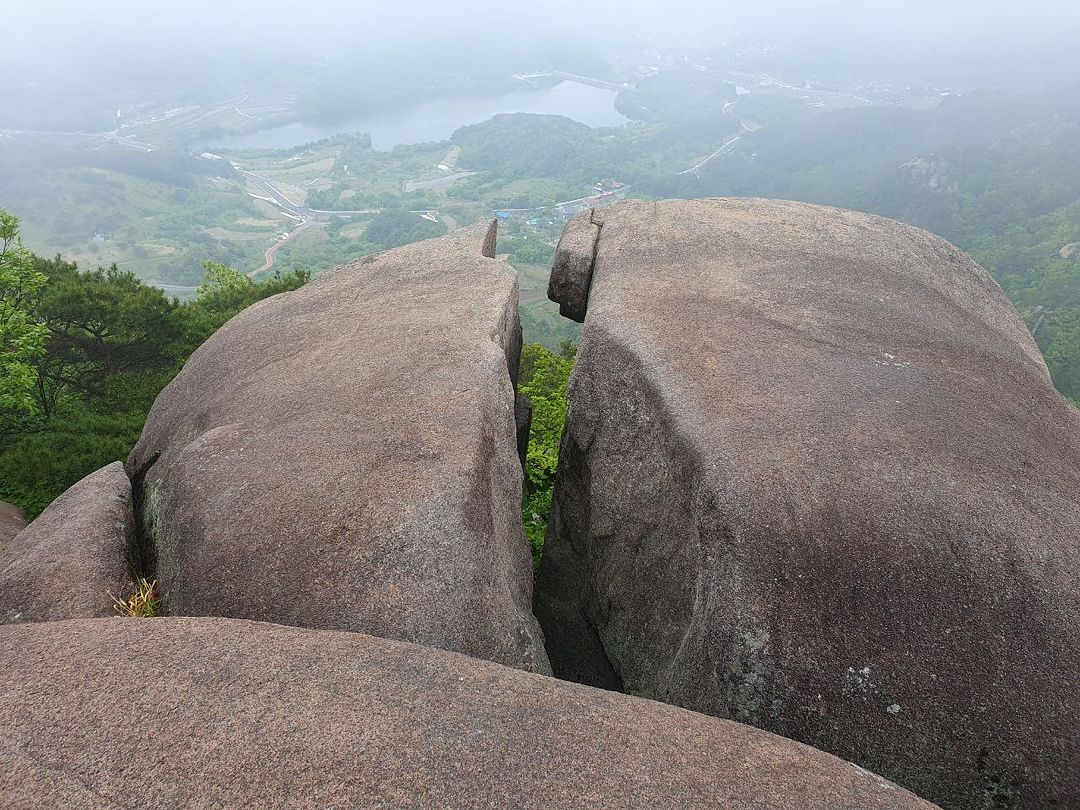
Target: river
pixel 436 120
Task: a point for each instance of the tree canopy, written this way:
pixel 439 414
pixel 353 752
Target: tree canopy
pixel 22 336
pixel 543 377
pixel 84 356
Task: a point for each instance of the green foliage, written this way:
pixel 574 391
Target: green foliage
pixel 225 292
pixel 113 344
pixel 327 253
pixel 541 323
pixel 532 251
pixel 394 228
pixel 103 323
pixel 675 94
pixel 525 145
pixel 1063 351
pixel 38 465
pixel 543 377
pixel 154 209
pixel 329 199
pixel 22 335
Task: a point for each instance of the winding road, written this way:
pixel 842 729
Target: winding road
pixel 725 148
pixel 301 213
pixel 270 251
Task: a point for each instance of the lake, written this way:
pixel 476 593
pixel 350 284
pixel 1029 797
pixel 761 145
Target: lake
pixel 436 120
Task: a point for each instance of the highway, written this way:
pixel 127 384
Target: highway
pixel 301 212
pixel 727 147
pixel 536 78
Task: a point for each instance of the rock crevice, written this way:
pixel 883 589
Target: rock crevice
pixel 815 477
pixel 142 549
pixel 572 271
pixel 345 456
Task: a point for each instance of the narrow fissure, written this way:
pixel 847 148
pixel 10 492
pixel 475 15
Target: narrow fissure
pixel 142 552
pixel 542 383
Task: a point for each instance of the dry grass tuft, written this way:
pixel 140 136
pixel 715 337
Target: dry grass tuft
pixel 142 604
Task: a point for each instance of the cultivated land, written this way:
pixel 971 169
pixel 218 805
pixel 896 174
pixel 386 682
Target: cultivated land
pixel 993 173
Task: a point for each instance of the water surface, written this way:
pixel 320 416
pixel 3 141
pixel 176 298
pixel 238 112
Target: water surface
pixel 436 120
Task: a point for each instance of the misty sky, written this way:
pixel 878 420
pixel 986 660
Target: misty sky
pixel 53 42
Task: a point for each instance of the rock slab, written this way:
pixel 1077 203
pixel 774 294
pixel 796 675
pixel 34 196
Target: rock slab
pixel 344 456
pixel 239 713
pixel 72 559
pixel 815 478
pixel 12 521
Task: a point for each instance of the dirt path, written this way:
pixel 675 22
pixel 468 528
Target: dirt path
pixel 270 251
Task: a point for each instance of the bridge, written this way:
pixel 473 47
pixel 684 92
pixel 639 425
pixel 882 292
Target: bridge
pixel 568 208
pixel 550 76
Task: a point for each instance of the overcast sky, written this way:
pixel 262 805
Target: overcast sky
pixel 53 41
pixel 964 19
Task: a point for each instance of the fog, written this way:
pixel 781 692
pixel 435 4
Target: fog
pixel 275 136
pixel 113 48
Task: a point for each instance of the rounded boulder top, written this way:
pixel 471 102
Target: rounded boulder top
pixel 222 713
pixel 815 477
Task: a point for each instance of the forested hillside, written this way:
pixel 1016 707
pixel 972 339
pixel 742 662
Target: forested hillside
pixel 86 352
pixel 997 174
pixel 83 354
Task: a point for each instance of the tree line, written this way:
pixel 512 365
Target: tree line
pixel 83 355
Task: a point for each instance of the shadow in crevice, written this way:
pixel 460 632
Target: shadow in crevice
pixel 142 552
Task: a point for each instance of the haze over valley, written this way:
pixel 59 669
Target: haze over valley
pixel 370 371
pixel 276 140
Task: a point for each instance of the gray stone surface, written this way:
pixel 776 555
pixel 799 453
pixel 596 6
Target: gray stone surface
pixel 68 561
pixel 344 456
pixel 12 521
pixel 571 273
pixel 815 477
pixel 182 712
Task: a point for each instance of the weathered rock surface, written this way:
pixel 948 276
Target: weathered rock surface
pixel 242 713
pixel 12 521
pixel 344 456
pixel 68 561
pixel 572 274
pixel 1070 251
pixel 815 477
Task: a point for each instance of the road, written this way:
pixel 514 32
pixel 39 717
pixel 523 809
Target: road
pixel 725 148
pixel 438 184
pixel 301 212
pixel 307 217
pixel 113 137
pixel 121 138
pixel 562 75
pixel 270 251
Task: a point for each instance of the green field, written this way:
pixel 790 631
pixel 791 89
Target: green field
pixel 997 174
